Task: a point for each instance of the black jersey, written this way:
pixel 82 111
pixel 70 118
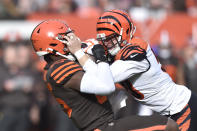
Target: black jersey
pixel 87 111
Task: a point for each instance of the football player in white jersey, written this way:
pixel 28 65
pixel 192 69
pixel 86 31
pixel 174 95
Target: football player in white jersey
pixel 134 65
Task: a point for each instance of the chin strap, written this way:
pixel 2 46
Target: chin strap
pixel 114 50
pixel 120 36
pixel 70 57
pixel 132 32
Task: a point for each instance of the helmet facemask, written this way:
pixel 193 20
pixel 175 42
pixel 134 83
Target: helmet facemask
pixel 114 22
pixel 111 43
pixel 67 54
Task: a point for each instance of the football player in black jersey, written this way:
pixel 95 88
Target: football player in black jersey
pixel 67 81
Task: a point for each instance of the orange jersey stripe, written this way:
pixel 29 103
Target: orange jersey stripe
pixel 66 69
pixel 68 73
pixel 125 51
pixel 121 53
pixel 185 126
pixel 183 117
pixel 158 127
pixel 59 68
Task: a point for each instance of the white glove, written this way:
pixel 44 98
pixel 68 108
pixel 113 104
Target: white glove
pixel 88 45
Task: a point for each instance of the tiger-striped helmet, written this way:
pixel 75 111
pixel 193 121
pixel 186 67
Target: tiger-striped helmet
pixel 114 24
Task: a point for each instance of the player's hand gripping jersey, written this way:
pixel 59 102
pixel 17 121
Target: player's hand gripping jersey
pixel 136 67
pixel 84 109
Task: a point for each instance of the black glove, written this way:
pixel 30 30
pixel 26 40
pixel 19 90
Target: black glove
pixel 99 53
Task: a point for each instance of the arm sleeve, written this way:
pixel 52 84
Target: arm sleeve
pixel 97 78
pixel 122 70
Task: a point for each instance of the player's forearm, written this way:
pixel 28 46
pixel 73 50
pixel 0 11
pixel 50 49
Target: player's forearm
pixel 97 78
pixel 81 57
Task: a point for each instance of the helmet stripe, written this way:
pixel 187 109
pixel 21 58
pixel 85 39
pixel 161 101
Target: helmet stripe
pixel 111 17
pixel 123 16
pixel 107 29
pixel 110 24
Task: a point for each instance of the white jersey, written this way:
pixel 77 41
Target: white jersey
pixel 154 87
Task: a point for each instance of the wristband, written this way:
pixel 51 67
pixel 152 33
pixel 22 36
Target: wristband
pixel 78 54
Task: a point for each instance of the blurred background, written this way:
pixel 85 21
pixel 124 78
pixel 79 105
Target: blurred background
pixel 170 26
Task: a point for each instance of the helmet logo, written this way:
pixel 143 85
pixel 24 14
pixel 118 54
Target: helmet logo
pixel 61 27
pixel 101 35
pixel 50 34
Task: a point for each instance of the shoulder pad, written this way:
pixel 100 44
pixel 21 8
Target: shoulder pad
pixel 131 52
pixel 61 71
pixel 139 42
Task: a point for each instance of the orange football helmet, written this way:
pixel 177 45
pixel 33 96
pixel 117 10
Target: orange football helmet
pixel 115 24
pixel 47 37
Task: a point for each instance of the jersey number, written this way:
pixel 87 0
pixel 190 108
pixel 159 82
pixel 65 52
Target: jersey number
pixel 137 94
pixel 101 99
pixel 65 106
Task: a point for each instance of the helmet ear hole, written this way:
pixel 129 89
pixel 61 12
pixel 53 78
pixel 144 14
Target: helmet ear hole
pixel 127 31
pixel 38 31
pixel 53 44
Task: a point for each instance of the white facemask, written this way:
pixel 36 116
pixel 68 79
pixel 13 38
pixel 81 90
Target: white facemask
pixel 114 50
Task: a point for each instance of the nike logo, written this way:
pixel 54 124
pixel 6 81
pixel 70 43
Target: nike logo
pixel 131 56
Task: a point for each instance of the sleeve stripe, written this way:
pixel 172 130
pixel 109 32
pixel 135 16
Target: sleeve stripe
pixel 59 68
pixel 66 69
pixel 122 53
pixel 125 51
pixel 68 73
